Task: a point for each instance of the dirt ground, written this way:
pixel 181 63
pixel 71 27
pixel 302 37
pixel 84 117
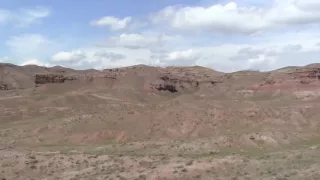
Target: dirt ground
pixel 244 125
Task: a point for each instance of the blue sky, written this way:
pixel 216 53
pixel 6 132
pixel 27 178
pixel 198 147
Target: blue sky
pixel 224 35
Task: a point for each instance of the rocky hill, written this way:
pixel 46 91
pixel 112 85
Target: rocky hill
pixel 143 122
pixel 173 79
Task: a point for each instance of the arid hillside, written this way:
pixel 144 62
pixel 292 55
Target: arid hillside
pixel 144 122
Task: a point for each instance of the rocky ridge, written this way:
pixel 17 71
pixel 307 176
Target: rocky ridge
pixel 172 79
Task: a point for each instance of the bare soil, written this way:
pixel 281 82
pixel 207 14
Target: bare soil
pixel 170 123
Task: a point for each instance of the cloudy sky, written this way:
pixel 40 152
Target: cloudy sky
pixel 224 35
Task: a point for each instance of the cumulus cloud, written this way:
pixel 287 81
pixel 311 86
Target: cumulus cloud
pixel 267 56
pixel 219 18
pixel 232 18
pixel 23 17
pixel 69 57
pixel 113 23
pixel 247 53
pixel 102 54
pixel 308 4
pixel 30 16
pixel 28 44
pixel 282 33
pixel 138 40
pixel 99 58
pixel 35 62
pixel 132 41
pixel 267 52
pixel 292 48
pixel 88 58
pixel 181 58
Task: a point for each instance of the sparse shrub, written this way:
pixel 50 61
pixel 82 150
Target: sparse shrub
pixel 293 173
pixel 142 177
pixel 281 178
pixel 189 163
pixel 32 157
pixel 197 176
pixel 299 157
pixel 184 170
pixel 246 160
pixel 179 167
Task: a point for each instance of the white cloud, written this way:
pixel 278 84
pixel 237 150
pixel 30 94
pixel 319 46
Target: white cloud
pixel 181 58
pixel 271 52
pixel 35 62
pixel 113 23
pixel 138 41
pixel 27 45
pixel 23 17
pixel 93 57
pixel 68 57
pixel 290 48
pixel 265 52
pixel 134 41
pixel 282 33
pixel 188 54
pixel 308 4
pixel 105 55
pixel 30 16
pixel 232 18
pixel 219 18
pixel 262 59
pixel 249 53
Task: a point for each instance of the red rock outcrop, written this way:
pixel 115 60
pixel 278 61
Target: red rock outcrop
pixel 171 79
pixel 292 80
pixel 52 78
pixel 166 83
pixel 306 76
